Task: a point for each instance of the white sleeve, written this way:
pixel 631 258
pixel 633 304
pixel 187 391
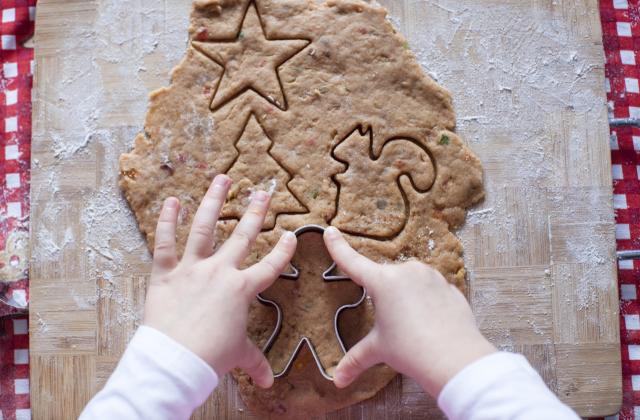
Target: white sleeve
pixel 156 378
pixel 501 386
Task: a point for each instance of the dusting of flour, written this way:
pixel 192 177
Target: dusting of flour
pixel 502 98
pixel 101 99
pixel 524 88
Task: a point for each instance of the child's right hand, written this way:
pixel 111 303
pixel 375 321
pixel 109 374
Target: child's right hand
pixel 424 327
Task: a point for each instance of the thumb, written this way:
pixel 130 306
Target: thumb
pixel 264 273
pixel 358 267
pixel 255 364
pixel 360 358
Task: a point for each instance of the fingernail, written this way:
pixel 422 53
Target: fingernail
pixel 260 196
pixel 221 180
pixel 340 379
pixel 171 203
pixel 288 236
pixel 332 232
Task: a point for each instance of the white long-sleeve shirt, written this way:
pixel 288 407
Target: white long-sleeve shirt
pixel 159 378
pixel 501 386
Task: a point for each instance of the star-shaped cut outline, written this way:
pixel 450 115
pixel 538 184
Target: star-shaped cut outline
pixel 223 51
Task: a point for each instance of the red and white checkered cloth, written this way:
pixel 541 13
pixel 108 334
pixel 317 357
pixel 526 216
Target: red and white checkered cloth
pixel 621 36
pixel 16 79
pixel 621 27
pixel 14 369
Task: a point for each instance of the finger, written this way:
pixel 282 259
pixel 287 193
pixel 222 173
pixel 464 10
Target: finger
pixel 459 296
pixel 201 237
pixel 360 358
pixel 360 268
pixel 238 246
pixel 264 273
pixel 460 299
pixel 256 365
pixel 164 253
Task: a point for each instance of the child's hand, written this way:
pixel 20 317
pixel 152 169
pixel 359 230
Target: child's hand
pixel 423 328
pixel 202 301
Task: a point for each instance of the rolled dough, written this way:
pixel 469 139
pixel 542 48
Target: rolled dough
pixel 325 106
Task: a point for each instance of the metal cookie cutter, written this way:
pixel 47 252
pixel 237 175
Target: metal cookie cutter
pixel 305 340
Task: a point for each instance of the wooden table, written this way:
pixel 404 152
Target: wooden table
pixel 527 79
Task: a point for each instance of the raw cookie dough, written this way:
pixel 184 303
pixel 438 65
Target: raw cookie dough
pixel 351 132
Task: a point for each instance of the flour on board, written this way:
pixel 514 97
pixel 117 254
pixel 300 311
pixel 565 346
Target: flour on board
pixel 144 42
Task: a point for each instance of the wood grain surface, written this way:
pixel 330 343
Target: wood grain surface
pixel 527 77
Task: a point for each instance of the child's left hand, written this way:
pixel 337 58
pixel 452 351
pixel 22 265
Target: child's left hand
pixel 202 301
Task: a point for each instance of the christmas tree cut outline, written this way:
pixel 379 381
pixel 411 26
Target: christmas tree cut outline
pixel 253 148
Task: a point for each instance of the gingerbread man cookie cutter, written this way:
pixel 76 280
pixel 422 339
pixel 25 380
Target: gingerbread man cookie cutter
pixel 327 277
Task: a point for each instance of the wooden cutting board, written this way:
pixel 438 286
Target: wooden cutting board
pixel 528 83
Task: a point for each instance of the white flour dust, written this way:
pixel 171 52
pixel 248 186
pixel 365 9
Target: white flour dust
pixel 524 87
pixel 134 44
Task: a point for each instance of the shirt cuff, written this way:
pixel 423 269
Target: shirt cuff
pixel 177 360
pixel 464 389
